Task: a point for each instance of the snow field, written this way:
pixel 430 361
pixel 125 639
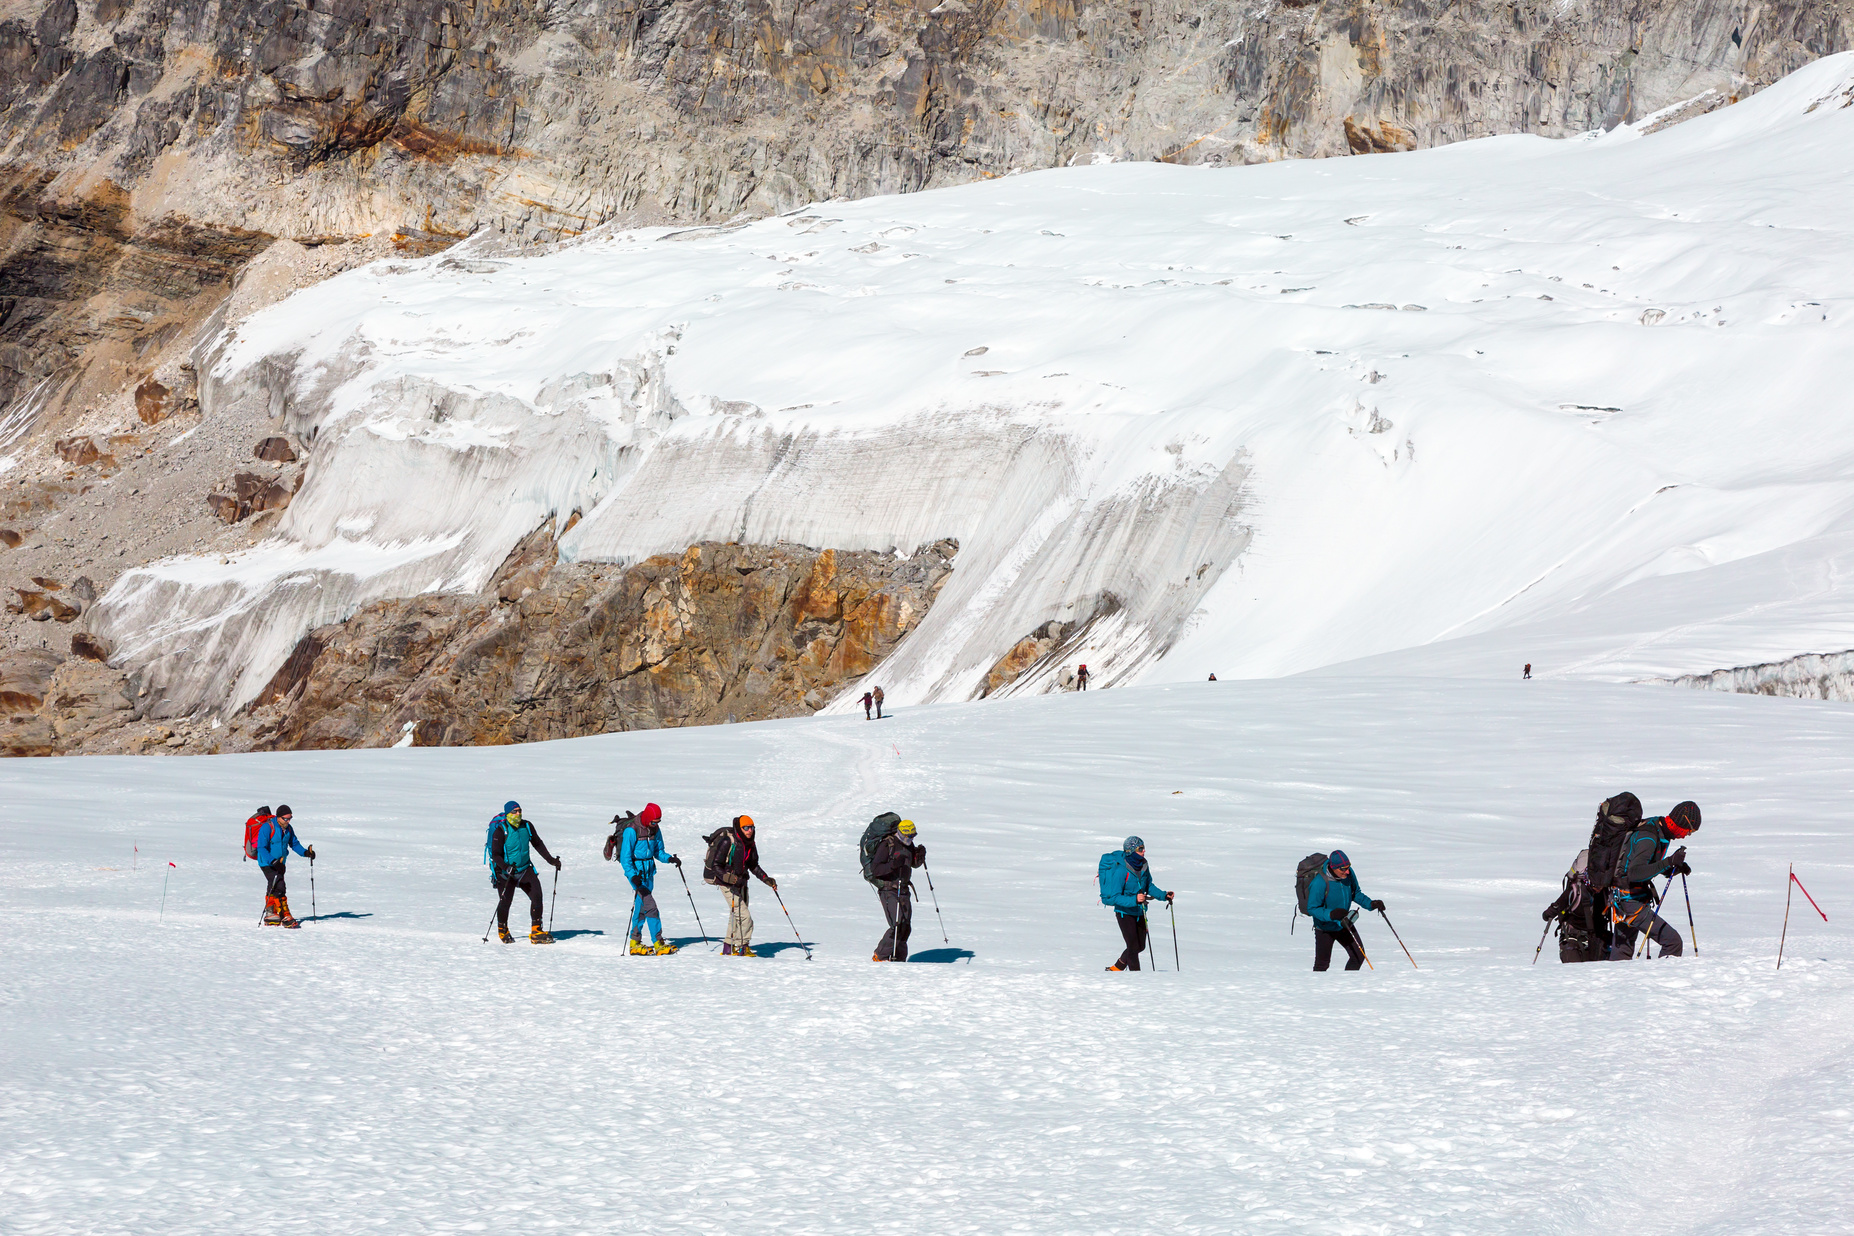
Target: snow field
pixel 383 1069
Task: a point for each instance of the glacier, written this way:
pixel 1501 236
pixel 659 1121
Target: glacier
pixel 1456 405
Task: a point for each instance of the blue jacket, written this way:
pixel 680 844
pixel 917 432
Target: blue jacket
pixel 275 840
pixel 1121 888
pixel 639 857
pixel 1327 898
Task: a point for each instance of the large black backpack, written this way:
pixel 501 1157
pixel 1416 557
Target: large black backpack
pixel 720 847
pixel 1616 818
pixel 882 826
pixel 1304 871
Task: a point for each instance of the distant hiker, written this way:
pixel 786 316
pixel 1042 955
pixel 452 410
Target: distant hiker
pixel 510 840
pixel 868 699
pixel 1126 885
pixel 732 854
pixel 1583 926
pixel 1632 898
pixel 891 867
pixel 639 851
pixel 1331 895
pixel 1528 672
pixel 876 695
pixel 1081 684
pixel 271 850
pixel 1213 678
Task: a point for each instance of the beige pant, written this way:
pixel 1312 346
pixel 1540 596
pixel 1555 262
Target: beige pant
pixel 739 918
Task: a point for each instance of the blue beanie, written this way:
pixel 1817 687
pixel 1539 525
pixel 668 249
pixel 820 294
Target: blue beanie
pixel 1132 844
pixel 1338 859
pixel 510 805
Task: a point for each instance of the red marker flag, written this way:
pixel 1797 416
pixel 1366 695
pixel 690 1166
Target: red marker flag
pixel 1799 884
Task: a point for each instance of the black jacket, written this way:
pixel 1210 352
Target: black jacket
pixel 893 860
pixel 741 855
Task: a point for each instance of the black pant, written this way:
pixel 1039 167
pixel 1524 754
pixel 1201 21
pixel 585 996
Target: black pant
pixel 1637 918
pixel 898 909
pixel 273 881
pixel 1133 931
pixel 1323 942
pixel 527 882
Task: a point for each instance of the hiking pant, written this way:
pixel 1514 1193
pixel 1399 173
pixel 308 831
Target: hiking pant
pixel 1133 931
pixel 1635 919
pixel 644 913
pixel 1323 942
pixel 528 883
pixel 898 909
pixel 1580 939
pixel 739 918
pixel 273 881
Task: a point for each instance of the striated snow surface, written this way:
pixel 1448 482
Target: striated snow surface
pixel 1461 405
pixel 382 1070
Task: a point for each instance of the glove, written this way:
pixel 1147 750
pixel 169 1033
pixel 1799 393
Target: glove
pixel 676 860
pixel 1677 857
pixel 1377 906
pixel 637 883
pixel 312 854
pixel 920 852
pixel 773 884
pixel 1168 898
pixel 555 862
pixel 1551 912
pixel 1681 868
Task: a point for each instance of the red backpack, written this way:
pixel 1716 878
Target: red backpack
pixel 252 826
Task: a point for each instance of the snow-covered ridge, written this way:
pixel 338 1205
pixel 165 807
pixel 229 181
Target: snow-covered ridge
pixel 1414 398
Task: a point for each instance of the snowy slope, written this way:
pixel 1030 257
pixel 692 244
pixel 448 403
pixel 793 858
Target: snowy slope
pixel 1410 399
pixel 383 1070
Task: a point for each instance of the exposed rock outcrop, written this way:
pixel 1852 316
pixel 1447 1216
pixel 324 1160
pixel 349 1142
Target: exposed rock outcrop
pixel 718 633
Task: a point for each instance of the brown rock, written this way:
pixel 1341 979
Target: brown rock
pixel 10 538
pixel 50 585
pixel 276 450
pixel 90 646
pixel 77 451
pixel 25 677
pixel 1023 654
pixel 151 402
pixel 678 639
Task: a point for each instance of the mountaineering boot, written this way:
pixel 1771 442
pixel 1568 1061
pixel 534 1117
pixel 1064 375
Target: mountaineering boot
pixel 271 918
pixel 502 930
pixel 283 913
pixel 663 948
pixel 638 949
pixel 537 936
pixel 1116 966
pixel 875 957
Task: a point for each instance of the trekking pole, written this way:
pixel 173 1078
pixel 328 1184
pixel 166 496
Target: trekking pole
pixel 490 928
pixel 162 917
pixel 1406 948
pixel 691 897
pixel 550 905
pixel 936 902
pixel 1691 929
pixel 1540 948
pixel 1360 941
pixel 312 913
pixel 1150 959
pixel 1174 912
pixel 1780 939
pixel 788 918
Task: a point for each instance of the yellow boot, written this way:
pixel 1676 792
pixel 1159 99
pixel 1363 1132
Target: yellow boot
pixel 663 948
pixel 639 949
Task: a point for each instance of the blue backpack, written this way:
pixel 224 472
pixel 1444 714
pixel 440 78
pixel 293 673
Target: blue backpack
pixel 495 881
pixel 1113 875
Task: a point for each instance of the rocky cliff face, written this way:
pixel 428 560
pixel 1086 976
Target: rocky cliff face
pixel 718 633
